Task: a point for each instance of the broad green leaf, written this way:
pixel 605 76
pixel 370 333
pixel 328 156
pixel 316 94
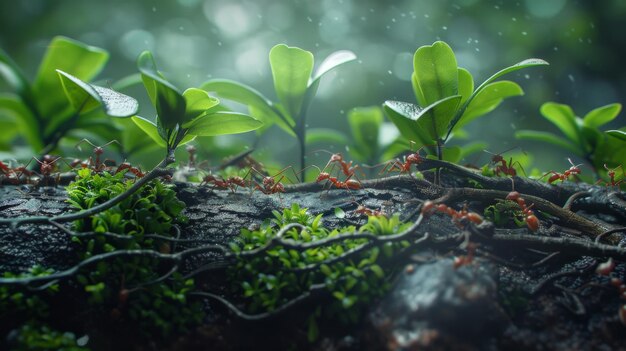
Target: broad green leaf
pixel 150 129
pixel 435 73
pixel 435 119
pixel 15 78
pixel 86 97
pixel 522 64
pixel 326 136
pixel 333 60
pixel 291 70
pixel 601 115
pixel 197 101
pixel 365 122
pixel 169 103
pixel 13 107
pixel 71 56
pixel 466 84
pixel 621 135
pixel 404 116
pixel 563 117
pixel 488 99
pixel 221 123
pixel 268 121
pixel 263 108
pixel 590 137
pixel 547 137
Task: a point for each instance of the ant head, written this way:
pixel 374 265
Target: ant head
pixel 268 181
pixel 98 150
pixel 336 158
pixel 191 149
pixel 414 158
pixel 322 176
pixel 209 178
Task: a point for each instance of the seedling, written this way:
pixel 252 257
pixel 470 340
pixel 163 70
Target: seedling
pixel 446 96
pixel 582 136
pixel 294 85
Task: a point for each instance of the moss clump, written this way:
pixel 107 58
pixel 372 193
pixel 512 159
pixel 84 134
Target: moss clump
pixel 281 274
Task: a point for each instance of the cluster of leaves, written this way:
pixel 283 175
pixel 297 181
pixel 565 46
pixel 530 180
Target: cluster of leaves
pixel 505 213
pixel 15 301
pixel 295 88
pixel 272 279
pixel 32 337
pixel 159 307
pixel 446 98
pixel 582 136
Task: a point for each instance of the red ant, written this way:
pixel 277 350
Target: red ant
pixel 127 166
pixel 269 185
pixel 404 166
pixel 464 260
pixel 348 184
pixel 457 216
pixel 98 151
pixel 611 174
pixel 529 217
pixel 362 210
pixel 572 171
pixel 502 166
pixel 605 269
pixel 9 173
pixel 231 183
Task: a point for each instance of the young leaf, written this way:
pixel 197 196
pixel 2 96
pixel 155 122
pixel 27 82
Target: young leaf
pixel 291 70
pixel 466 84
pixel 563 117
pixel 488 99
pixel 333 60
pixel 14 77
pixel 169 103
pixel 621 135
pixel 263 108
pixel 14 107
pixel 74 57
pixel 197 101
pixel 601 115
pixel 223 122
pixel 435 73
pixel 85 97
pixel 435 118
pixel 548 138
pixel 404 116
pixel 522 64
pixel 150 129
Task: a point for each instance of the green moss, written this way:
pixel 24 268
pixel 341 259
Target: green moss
pixel 268 281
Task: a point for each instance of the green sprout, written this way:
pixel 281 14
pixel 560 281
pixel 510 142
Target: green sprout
pixel 39 111
pixel 294 85
pixel 446 98
pixel 582 136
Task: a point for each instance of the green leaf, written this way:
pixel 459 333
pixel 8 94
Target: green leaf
pixel 488 99
pixel 291 70
pixel 547 138
pixel 197 102
pixel 522 64
pixel 340 213
pixel 326 136
pixel 223 122
pixel 71 56
pixel 435 75
pixel 601 115
pixel 15 78
pixel 169 103
pixel 333 60
pixel 404 115
pixel 451 154
pixel 436 118
pixel 85 97
pixel 466 84
pixel 260 107
pixel 621 135
pixel 563 117
pixel 15 109
pixel 365 122
pixel 150 129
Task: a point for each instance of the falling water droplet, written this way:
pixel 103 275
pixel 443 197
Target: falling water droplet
pixel 444 28
pixel 219 43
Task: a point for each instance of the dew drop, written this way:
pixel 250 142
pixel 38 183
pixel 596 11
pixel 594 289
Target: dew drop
pixel 219 43
pixel 527 76
pixel 524 33
pixel 393 20
pixel 444 28
pixel 390 72
pixel 514 19
pixel 571 78
pixel 309 19
pixel 153 8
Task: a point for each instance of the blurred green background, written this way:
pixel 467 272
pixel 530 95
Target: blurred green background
pixel 195 40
